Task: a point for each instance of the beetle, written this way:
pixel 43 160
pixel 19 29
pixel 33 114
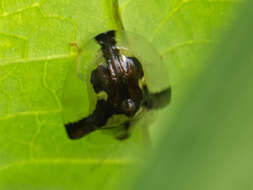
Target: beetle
pixel 120 77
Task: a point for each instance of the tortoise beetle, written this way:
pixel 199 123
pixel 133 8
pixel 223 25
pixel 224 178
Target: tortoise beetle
pixel 125 78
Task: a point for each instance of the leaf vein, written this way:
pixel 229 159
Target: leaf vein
pixel 168 16
pixel 57 161
pixel 5 14
pixel 74 24
pixel 36 134
pixel 45 84
pixel 7 73
pixel 28 113
pixel 180 6
pixel 43 58
pixel 14 36
pixel 185 43
pixel 9 97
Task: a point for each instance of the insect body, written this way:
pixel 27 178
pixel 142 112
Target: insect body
pixel 120 76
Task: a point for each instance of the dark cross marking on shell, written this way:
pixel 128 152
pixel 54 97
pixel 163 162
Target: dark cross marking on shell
pixel 119 78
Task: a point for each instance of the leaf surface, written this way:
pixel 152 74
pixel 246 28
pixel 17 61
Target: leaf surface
pixel 210 143
pixel 35 57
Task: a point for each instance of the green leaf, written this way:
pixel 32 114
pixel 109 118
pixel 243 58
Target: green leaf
pixel 35 57
pixel 210 143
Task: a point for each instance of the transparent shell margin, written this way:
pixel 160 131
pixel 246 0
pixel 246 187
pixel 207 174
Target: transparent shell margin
pixel 155 71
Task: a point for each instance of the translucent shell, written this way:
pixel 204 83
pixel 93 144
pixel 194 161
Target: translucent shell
pixel 79 97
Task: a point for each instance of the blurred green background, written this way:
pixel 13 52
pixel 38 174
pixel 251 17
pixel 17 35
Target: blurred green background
pixel 209 144
pixel 201 141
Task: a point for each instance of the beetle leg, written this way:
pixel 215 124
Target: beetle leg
pixel 125 133
pixel 157 100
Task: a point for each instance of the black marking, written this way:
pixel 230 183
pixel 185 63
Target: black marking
pixel 94 121
pixel 119 78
